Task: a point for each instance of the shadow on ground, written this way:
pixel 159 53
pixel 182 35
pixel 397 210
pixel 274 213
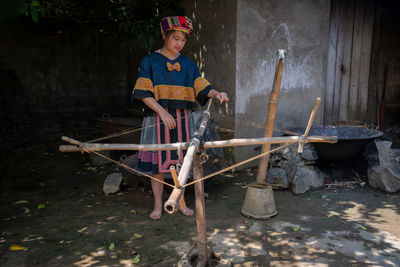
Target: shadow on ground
pixel 77 225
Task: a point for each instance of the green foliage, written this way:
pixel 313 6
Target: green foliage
pixel 140 19
pixel 10 9
pixel 136 19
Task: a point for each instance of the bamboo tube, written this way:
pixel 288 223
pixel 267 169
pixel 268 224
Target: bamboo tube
pixel 203 254
pixel 170 204
pixel 175 178
pixel 271 115
pixel 309 124
pixel 212 144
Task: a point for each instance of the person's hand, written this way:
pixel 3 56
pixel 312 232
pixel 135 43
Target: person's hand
pixel 168 120
pixel 222 97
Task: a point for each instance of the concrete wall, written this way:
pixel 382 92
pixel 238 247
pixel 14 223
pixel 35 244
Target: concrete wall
pixel 212 47
pixel 301 27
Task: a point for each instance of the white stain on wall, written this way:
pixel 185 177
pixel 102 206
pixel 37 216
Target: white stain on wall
pixel 287 35
pixel 298 75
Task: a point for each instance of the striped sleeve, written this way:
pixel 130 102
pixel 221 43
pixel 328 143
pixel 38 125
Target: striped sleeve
pixel 144 85
pixel 201 87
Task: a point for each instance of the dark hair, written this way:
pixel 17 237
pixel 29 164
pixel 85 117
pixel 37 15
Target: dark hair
pixel 168 33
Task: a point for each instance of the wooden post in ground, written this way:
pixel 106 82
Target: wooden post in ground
pixel 176 182
pixel 271 115
pixel 203 253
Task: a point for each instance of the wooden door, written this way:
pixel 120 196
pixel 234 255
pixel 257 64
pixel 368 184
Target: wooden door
pixel 350 42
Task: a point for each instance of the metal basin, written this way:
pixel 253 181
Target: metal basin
pixel 351 140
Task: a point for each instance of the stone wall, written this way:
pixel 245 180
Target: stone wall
pixel 302 28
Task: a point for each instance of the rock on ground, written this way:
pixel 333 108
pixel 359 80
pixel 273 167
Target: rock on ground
pixel 278 176
pixel 307 177
pixel 309 153
pixel 97 160
pixel 112 183
pixel 385 173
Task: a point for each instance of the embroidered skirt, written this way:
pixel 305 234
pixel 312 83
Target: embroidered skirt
pixel 154 132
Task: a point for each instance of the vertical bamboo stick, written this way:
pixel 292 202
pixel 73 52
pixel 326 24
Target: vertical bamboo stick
pixel 309 124
pixel 271 115
pixel 203 254
pixel 176 182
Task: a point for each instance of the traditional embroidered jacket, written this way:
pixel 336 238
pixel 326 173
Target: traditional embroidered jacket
pixel 175 84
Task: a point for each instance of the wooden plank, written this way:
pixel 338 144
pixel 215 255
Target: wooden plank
pixel 366 50
pixel 338 63
pixel 353 111
pixel 330 71
pixel 346 38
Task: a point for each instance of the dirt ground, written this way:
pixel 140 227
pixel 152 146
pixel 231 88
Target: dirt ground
pixel 66 220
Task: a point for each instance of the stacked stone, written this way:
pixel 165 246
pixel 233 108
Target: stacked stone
pixel 298 171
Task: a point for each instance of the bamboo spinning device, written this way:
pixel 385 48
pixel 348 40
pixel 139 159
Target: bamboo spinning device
pixel 195 156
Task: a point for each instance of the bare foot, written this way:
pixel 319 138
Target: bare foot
pixel 156 214
pixel 186 211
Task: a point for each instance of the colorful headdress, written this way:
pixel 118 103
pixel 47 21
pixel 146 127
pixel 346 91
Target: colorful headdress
pixel 176 23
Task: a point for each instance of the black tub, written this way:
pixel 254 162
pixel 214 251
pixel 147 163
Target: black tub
pixel 351 140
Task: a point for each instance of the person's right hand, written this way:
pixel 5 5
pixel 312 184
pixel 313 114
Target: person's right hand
pixel 168 120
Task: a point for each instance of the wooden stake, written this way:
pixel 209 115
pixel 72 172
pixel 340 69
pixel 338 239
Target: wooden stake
pixel 271 115
pixel 175 178
pixel 309 124
pixel 203 253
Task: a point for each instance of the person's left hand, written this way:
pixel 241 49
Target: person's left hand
pixel 222 97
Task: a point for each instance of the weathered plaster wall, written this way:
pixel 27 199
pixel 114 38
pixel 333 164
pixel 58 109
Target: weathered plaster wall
pixel 212 47
pixel 302 28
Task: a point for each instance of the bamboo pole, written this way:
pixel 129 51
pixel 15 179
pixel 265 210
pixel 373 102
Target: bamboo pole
pixel 88 147
pixel 271 115
pixel 203 254
pixel 70 140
